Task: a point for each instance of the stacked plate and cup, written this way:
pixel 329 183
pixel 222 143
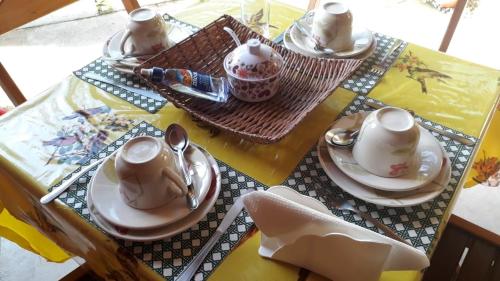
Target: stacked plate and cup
pixel 145 35
pixel 141 194
pixel 394 161
pixel 329 32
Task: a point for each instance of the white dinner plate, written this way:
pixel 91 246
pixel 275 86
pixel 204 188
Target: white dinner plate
pixel 106 198
pixel 426 167
pixel 362 40
pixel 287 41
pixel 169 229
pixel 379 197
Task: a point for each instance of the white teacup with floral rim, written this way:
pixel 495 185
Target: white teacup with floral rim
pixel 387 142
pixel 148 174
pixel 332 26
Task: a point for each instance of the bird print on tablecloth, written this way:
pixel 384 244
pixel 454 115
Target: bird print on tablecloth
pixel 417 70
pixel 64 140
pixel 86 113
pixel 85 132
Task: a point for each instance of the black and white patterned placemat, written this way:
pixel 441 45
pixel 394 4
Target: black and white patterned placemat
pixel 362 80
pixel 418 224
pixel 101 67
pixel 170 256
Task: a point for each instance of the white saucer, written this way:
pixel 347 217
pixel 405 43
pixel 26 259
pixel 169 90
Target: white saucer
pixel 113 56
pixel 427 166
pixel 111 48
pixel 287 41
pixel 384 198
pixel 362 40
pixel 169 229
pixel 108 202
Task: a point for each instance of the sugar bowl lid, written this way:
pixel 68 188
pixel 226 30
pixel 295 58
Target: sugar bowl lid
pixel 253 60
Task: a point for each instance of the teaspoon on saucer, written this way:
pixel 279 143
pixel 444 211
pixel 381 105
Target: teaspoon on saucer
pixel 176 137
pixel 341 137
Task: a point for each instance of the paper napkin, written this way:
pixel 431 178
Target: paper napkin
pixel 300 230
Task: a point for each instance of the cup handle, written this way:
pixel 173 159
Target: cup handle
pixel 125 36
pixel 180 188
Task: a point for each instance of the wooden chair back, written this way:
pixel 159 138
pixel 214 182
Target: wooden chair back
pixel 10 87
pixel 14 13
pixel 452 25
pixel 463 255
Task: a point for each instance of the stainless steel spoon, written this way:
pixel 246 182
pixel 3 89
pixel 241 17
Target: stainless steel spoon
pixel 317 46
pixel 176 137
pixel 341 137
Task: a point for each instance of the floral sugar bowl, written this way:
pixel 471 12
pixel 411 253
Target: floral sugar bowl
pixel 253 71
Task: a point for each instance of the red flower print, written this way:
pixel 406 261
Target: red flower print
pixel 398 169
pixel 242 73
pixel 486 167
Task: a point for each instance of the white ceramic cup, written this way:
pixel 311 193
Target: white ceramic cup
pixel 148 174
pixel 387 142
pixel 146 31
pixel 332 26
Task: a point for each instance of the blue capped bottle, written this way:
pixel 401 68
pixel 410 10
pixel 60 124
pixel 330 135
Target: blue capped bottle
pixel 190 82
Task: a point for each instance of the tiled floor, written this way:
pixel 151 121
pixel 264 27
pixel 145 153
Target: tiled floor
pixel 49 49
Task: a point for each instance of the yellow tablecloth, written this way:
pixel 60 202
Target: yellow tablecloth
pixel 486 168
pixel 465 101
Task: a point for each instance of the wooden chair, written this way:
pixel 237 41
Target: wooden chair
pixel 464 255
pixel 15 13
pixel 452 25
pixel 450 30
pixel 312 4
pixel 10 87
pixel 469 248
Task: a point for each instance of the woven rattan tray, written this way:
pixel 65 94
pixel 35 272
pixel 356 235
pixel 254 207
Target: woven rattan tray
pixel 305 83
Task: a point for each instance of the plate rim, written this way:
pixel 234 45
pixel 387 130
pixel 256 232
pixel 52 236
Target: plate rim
pixel 290 45
pixel 127 236
pixel 201 197
pixel 423 131
pixel 337 55
pixel 386 202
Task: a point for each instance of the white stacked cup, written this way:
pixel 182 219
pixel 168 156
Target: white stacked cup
pixel 148 174
pixel 332 26
pixel 147 33
pixel 387 142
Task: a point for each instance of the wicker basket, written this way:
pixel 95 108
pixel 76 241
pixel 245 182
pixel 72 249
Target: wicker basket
pixel 305 83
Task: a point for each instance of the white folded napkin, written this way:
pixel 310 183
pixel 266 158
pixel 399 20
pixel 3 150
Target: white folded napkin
pixel 300 230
